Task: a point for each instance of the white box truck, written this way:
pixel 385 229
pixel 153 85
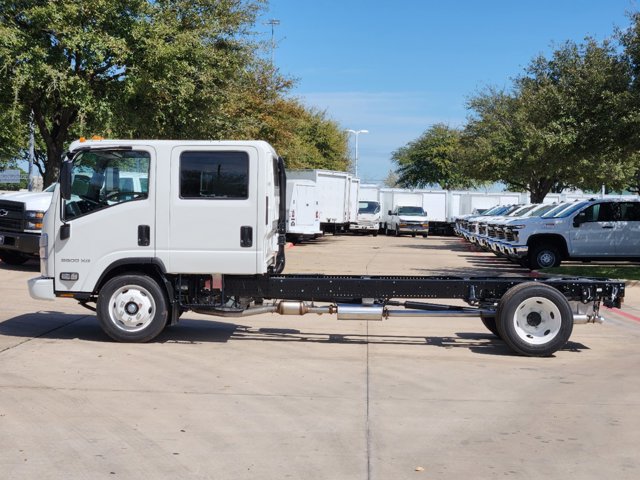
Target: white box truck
pixel 303 216
pixel 333 190
pixel 206 232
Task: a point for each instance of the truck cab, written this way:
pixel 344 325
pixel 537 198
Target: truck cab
pixel 368 218
pixel 178 207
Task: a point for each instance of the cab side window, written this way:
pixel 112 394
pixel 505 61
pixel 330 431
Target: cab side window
pixel 214 175
pixel 630 211
pixel 601 212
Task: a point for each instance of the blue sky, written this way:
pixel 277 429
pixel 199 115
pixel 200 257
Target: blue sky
pixel 396 68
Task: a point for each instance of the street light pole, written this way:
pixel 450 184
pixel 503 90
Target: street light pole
pixel 273 22
pixel 356 133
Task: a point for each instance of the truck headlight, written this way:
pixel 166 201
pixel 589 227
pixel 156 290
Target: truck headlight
pixel 34 219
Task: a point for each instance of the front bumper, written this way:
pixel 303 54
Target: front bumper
pixel 517 251
pixel 364 227
pixel 41 288
pixel 413 229
pixel 27 243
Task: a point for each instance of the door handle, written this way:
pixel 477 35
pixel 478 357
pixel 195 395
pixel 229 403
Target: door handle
pixel 608 226
pixel 144 235
pixel 246 236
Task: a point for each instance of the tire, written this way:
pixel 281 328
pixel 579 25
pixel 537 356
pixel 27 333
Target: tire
pixel 132 308
pixel 534 319
pixel 13 258
pixel 396 232
pixel 544 256
pixel 490 323
pixel 387 232
pixel 413 234
pixel 425 235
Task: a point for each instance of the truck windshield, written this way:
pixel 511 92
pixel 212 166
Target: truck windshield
pixel 410 211
pixel 568 211
pixel 368 207
pixel 103 178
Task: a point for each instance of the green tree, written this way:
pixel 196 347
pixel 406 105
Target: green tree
pixel 433 158
pixel 121 67
pixel 564 123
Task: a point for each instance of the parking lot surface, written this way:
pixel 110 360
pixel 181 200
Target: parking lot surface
pixel 276 397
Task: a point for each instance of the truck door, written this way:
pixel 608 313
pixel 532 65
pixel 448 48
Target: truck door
pixel 213 210
pixel 596 235
pixel 629 229
pixel 110 215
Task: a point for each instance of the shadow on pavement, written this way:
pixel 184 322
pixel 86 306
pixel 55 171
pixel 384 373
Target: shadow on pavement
pixel 60 326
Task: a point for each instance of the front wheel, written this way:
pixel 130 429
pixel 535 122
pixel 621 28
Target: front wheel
pixel 132 308
pixel 544 256
pixel 534 319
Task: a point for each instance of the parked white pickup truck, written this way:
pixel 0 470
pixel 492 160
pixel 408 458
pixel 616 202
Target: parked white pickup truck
pixel 21 215
pixel 596 229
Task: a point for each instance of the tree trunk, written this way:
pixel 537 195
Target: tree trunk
pixel 539 189
pixel 54 139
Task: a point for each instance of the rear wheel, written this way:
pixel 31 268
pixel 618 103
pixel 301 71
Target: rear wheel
pixel 396 232
pixel 490 323
pixel 132 308
pixel 534 319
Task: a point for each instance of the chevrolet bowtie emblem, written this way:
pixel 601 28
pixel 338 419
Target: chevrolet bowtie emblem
pixel 4 213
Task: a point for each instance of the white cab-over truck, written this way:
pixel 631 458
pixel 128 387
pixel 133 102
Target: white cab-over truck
pixel 204 230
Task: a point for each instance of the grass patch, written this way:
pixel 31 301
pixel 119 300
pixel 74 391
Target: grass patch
pixel 626 272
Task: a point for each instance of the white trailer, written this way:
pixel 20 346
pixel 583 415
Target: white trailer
pixel 467 202
pixel 303 217
pixel 333 190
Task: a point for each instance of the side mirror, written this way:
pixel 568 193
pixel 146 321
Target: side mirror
pixel 579 219
pixel 65 180
pixel 389 213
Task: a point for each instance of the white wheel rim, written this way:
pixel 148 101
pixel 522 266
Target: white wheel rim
pixel 131 308
pixel 537 320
